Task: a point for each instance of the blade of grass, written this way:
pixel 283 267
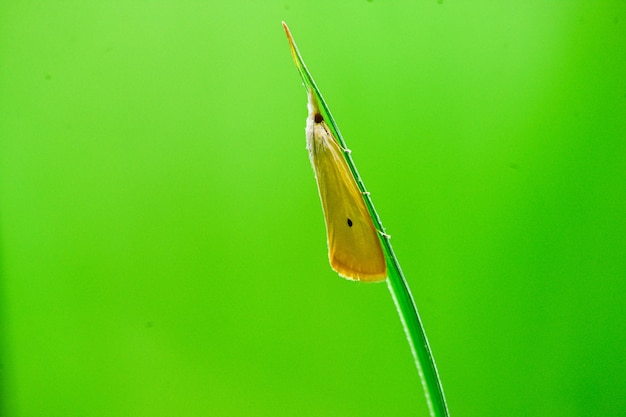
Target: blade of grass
pixel 398 287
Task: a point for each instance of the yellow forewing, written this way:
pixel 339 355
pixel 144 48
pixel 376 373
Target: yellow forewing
pixel 354 248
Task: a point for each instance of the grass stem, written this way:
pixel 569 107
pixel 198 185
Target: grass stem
pixel 398 287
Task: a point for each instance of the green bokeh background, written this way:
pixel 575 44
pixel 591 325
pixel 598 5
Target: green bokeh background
pixel 162 243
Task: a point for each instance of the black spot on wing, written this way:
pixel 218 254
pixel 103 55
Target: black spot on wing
pixel 349 223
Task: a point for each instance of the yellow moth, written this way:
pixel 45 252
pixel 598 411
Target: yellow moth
pixel 354 247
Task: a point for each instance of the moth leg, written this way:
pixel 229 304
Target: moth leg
pixel 383 234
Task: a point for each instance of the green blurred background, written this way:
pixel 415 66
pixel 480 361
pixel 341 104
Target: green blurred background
pixel 163 248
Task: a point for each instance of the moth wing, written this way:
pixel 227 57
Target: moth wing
pixel 354 247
